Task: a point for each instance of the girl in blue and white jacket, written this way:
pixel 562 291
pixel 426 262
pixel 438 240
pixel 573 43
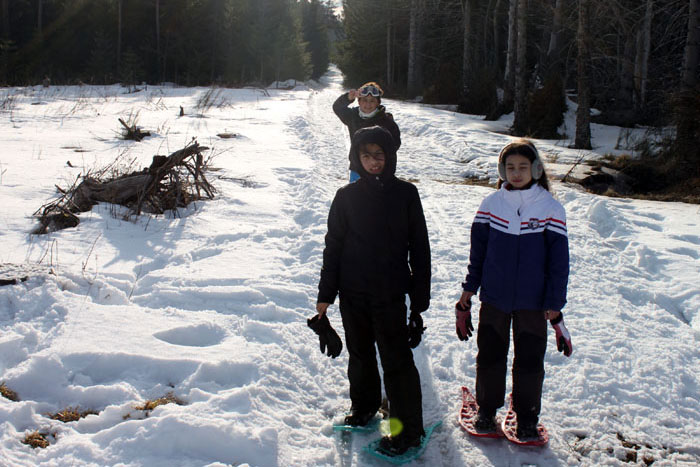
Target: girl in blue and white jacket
pixel 519 258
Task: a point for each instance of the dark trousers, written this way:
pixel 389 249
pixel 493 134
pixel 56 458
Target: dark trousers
pixel 365 324
pixel 529 345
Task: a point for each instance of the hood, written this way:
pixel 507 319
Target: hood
pixel 382 137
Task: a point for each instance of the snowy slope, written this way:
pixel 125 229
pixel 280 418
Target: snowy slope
pixel 210 304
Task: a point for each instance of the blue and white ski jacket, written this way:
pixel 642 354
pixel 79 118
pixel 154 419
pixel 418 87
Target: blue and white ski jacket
pixel 519 253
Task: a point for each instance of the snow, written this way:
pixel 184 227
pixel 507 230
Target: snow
pixel 209 303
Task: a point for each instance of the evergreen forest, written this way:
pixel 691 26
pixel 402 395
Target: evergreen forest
pixel 635 61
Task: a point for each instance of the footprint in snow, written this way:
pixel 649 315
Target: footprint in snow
pixel 200 335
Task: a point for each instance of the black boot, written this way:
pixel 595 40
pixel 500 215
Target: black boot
pixel 399 444
pixel 527 428
pixel 359 418
pixel 485 421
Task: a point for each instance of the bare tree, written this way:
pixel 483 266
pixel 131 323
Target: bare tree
pixel 521 88
pixel 583 113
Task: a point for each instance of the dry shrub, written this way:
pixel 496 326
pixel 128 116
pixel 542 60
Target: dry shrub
pixel 8 393
pixel 36 440
pixel 151 404
pixel 71 414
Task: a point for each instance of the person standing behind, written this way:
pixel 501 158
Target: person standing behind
pixel 519 258
pixel 377 251
pixel 370 112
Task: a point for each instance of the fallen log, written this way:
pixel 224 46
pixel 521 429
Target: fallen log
pixel 168 183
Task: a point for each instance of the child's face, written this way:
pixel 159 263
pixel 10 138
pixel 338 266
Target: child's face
pixel 368 104
pixel 372 158
pixel 518 170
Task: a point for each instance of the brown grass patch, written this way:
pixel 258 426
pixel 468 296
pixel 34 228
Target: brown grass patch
pixel 151 404
pixel 8 393
pixel 687 191
pixel 465 181
pixel 36 440
pixel 71 414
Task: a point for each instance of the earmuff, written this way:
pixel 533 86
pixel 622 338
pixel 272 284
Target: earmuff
pixel 536 167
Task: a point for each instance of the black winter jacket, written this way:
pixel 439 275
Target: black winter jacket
pixel 377 242
pixel 350 116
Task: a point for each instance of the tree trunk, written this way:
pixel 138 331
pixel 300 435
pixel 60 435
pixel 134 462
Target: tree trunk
pixel 496 50
pixel 119 33
pixel 509 76
pixel 158 58
pixel 388 51
pixel 520 123
pixel 412 87
pixel 5 19
pixel 39 14
pixel 689 77
pixel 485 46
pixel 467 66
pixel 625 100
pixel 687 113
pixel 583 113
pixel 554 35
pixel 642 61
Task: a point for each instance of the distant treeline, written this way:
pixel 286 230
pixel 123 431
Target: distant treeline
pixel 464 50
pixel 635 60
pixel 189 42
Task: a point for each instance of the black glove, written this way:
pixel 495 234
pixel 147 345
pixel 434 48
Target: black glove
pixel 464 321
pixel 562 335
pixel 327 336
pixel 415 329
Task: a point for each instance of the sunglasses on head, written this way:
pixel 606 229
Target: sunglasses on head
pixel 370 91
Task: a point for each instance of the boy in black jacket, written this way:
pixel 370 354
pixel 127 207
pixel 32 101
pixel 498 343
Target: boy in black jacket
pixel 377 251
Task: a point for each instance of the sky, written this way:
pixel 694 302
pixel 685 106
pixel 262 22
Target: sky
pixel 210 303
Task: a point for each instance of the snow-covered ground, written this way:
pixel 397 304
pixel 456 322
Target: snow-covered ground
pixel 210 304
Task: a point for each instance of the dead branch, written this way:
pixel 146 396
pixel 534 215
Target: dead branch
pixel 133 132
pixel 170 182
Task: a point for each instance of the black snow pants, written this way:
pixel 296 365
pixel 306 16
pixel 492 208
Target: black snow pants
pixel 529 345
pixel 366 323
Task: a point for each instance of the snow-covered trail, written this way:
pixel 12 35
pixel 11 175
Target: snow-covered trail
pixel 212 304
pixel 593 399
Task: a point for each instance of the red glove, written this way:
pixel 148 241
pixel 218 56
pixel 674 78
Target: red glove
pixel 464 321
pixel 562 335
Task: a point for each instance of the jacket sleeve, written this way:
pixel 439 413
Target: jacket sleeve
pixel 477 252
pixel 418 256
pixel 342 109
pixel 557 272
pixel 332 253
